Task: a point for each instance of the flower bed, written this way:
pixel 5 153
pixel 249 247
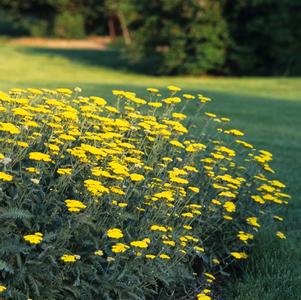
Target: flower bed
pixel 127 200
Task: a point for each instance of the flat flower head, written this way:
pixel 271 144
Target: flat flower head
pixel 34 239
pixel 139 244
pixel 67 258
pixel 98 253
pixel 74 205
pixel 203 296
pixel 5 177
pixel 9 127
pixel 119 248
pixel 173 88
pixel 64 171
pixel 2 288
pixel 136 177
pixel 229 206
pixel 164 256
pixel 154 104
pixel 281 235
pixel 114 233
pixel 253 221
pixel 152 90
pixel 239 255
pixel 39 156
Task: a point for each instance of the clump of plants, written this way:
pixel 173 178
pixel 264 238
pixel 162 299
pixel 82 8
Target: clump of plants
pixel 124 199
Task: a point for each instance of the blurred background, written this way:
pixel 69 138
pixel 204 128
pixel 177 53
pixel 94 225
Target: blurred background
pixel 219 37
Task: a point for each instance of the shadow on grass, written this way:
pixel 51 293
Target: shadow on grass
pixel 114 58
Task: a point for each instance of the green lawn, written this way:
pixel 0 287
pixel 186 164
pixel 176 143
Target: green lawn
pixel 268 110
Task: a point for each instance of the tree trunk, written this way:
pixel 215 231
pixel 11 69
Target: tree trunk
pixel 124 28
pixel 112 29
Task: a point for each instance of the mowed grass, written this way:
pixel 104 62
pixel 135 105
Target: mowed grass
pixel 268 110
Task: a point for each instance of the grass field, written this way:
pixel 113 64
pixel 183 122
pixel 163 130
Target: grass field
pixel 268 110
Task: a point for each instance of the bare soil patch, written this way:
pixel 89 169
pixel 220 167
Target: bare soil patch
pixel 95 42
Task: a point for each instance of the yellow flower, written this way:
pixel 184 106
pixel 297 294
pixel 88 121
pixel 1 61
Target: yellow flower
pixel 9 127
pixel 32 170
pixel 152 90
pixel 198 249
pixel 210 115
pixel 74 205
pixel 2 288
pixel 39 156
pixel 150 256
pixel 136 177
pixel 119 248
pixel 34 239
pixel 173 88
pixel 67 258
pixel 203 296
pixel 95 187
pixel 5 177
pixel 239 255
pixel 98 253
pixel 188 96
pixel 243 236
pixel 179 180
pixel 179 116
pixel 64 91
pixel 154 104
pixel 98 101
pixel 177 144
pixel 140 244
pixel 278 218
pixel 234 132
pixel 114 233
pixel 253 221
pixel 281 235
pixel 64 171
pixel 164 256
pixel 229 206
pixel 194 189
pixel 170 243
pixel 171 100
pixel 158 228
pixel 187 215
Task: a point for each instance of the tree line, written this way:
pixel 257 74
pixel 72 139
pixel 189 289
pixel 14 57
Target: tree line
pixel 237 37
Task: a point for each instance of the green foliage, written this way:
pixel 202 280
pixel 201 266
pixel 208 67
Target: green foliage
pixel 68 25
pixel 187 37
pixel 266 37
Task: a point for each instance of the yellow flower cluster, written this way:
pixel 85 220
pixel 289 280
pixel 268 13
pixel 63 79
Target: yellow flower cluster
pixel 5 177
pixel 69 258
pixel 34 239
pixel 74 205
pixel 152 189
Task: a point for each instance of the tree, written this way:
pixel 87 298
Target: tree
pixel 180 36
pixel 266 36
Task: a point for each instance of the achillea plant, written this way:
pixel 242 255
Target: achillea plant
pixel 127 200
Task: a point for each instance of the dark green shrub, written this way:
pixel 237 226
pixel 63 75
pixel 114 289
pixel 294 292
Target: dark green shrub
pixel 265 37
pixel 67 25
pixel 187 37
